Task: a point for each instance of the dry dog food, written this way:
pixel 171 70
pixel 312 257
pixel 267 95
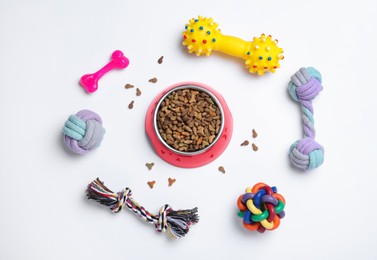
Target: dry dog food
pixel 131 105
pixel 222 169
pixel 160 60
pixel 255 148
pixel 188 120
pixel 153 80
pixel 255 134
pixel 151 184
pixel 149 166
pixel 171 181
pixel 138 92
pixel 127 86
pixel 245 143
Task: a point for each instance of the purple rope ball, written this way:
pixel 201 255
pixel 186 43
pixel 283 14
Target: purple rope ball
pixel 83 132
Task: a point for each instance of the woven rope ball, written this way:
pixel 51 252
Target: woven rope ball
pixel 261 208
pixel 83 131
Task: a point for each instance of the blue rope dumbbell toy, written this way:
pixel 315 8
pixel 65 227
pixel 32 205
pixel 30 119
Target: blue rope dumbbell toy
pixel 304 86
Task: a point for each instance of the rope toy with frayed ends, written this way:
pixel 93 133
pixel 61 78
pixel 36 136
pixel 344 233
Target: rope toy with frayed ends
pixel 304 86
pixel 176 223
pixel 261 208
pixel 83 132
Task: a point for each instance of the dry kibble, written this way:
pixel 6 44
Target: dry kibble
pixel 255 134
pixel 245 143
pixel 153 80
pixel 160 60
pixel 149 165
pixel 151 184
pixel 138 92
pixel 127 86
pixel 171 181
pixel 222 169
pixel 188 120
pixel 255 148
pixel 131 105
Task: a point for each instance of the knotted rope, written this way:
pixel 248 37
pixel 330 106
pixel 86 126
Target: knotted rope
pixel 83 132
pixel 176 223
pixel 304 86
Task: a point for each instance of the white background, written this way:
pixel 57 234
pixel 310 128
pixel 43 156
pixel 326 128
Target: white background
pixel 45 47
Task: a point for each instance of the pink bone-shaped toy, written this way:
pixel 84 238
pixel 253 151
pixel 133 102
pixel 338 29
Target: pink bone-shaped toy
pixel 90 81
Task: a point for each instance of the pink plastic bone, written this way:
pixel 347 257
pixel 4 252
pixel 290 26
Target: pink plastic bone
pixel 90 81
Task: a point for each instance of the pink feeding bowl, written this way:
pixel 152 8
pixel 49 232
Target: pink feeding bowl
pixel 189 159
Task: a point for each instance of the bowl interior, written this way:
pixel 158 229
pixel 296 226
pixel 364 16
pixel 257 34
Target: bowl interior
pixel 200 89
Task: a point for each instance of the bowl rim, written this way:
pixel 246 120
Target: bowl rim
pixel 189 86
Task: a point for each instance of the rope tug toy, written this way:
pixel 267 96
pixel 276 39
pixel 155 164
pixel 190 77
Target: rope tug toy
pixel 261 208
pixel 83 132
pixel 203 36
pixel 177 223
pixel 304 86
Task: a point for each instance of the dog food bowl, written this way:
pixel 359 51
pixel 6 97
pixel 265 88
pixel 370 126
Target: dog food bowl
pixel 192 158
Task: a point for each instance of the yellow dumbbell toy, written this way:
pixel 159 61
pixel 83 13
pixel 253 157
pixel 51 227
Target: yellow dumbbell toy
pixel 203 36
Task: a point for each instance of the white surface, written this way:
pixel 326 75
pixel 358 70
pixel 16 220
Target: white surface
pixel 46 46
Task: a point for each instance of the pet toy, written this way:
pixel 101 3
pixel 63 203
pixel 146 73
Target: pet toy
pixel 203 36
pixel 90 81
pixel 176 223
pixel 261 208
pixel 304 86
pixel 83 132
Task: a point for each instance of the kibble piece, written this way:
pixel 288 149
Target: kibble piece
pixel 149 166
pixel 153 80
pixel 151 184
pixel 171 181
pixel 131 105
pixel 138 92
pixel 222 169
pixel 255 134
pixel 245 143
pixel 255 148
pixel 160 60
pixel 127 86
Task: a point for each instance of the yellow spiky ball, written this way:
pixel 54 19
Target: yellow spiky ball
pixel 263 55
pixel 200 35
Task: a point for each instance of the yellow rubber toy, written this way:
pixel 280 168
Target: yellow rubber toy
pixel 203 36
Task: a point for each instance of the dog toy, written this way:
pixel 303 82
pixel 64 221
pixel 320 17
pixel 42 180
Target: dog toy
pixel 176 223
pixel 304 86
pixel 261 208
pixel 90 81
pixel 203 36
pixel 83 132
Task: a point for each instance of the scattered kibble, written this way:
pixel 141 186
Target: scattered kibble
pixel 245 143
pixel 160 60
pixel 131 105
pixel 149 165
pixel 222 169
pixel 255 134
pixel 151 184
pixel 171 181
pixel 255 148
pixel 138 92
pixel 127 86
pixel 153 80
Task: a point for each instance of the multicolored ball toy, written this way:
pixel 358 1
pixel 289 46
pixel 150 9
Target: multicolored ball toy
pixel 261 208
pixel 203 36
